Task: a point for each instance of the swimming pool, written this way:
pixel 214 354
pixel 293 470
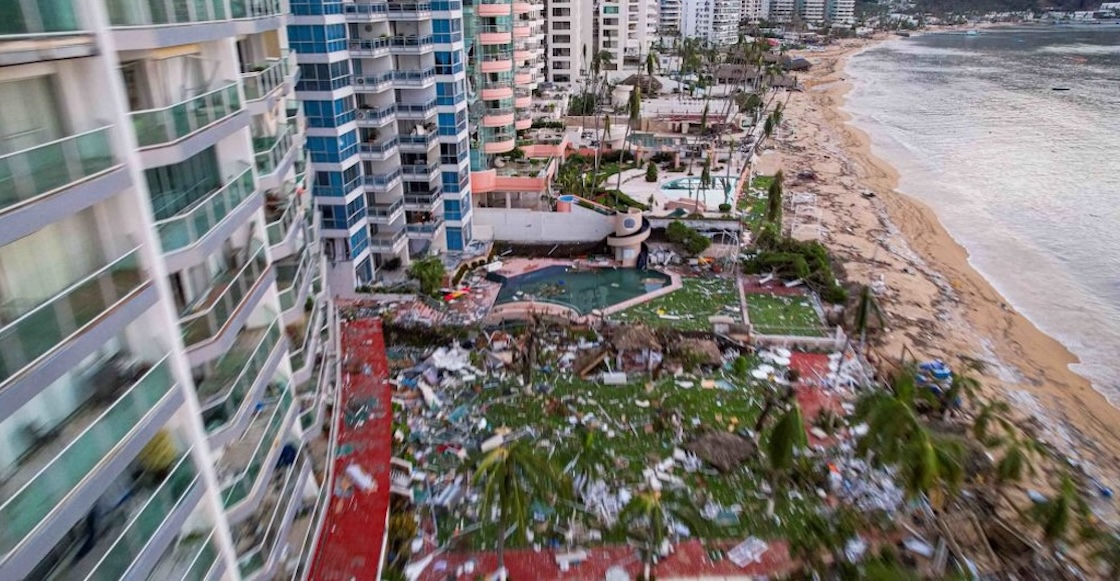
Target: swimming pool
pixel 712 197
pixel 582 290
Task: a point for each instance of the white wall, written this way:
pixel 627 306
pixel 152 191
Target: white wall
pixel 581 225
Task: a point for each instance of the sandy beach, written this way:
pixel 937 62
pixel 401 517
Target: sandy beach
pixel 937 304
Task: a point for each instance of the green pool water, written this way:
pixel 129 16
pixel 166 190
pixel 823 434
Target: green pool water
pixel 582 290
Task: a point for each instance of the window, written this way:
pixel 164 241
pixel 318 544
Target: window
pixel 324 77
pixel 359 240
pixel 454 239
pixel 451 210
pixel 562 38
pixel 334 217
pixel 316 38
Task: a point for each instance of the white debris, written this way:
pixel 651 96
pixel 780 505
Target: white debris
pixel 747 552
pixel 360 478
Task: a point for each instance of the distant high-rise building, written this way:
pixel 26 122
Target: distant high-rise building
pixel 716 21
pixel 841 11
pixel 568 40
pixel 160 320
pixel 670 16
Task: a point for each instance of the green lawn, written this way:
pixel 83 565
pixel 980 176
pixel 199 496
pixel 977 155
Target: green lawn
pixel 631 436
pixel 698 299
pixel 776 315
pixel 753 201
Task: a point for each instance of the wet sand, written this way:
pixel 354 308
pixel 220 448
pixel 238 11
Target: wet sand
pixel 937 305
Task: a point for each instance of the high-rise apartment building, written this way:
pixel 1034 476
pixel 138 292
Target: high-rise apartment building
pixel 159 318
pixel 670 16
pixel 384 86
pixel 841 11
pixel 808 11
pixel 812 10
pixel 780 10
pixel 624 29
pixel 568 40
pixel 751 10
pixel 715 21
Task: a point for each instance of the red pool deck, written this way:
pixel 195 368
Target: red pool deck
pixel 689 560
pixel 751 286
pixel 810 395
pixel 352 538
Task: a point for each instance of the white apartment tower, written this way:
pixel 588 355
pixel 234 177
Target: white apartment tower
pixel 716 21
pixel 625 29
pixel 568 40
pixel 812 10
pixel 160 325
pixel 841 12
pixel 670 16
pixel 779 10
pixel 751 10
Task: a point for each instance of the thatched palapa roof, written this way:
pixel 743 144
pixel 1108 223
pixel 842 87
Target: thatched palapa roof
pixel 724 450
pixel 649 85
pixel 634 338
pixel 704 351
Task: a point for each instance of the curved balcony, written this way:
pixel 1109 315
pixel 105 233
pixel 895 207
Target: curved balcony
pixel 192 226
pixel 522 79
pixel 273 156
pixel 521 30
pixel 43 480
pixel 387 213
pixel 262 80
pixel 227 294
pixel 293 277
pixel 496 93
pixel 522 54
pixel 522 100
pixel 497 66
pixel 241 372
pixel 522 7
pixel 499 117
pixel 501 145
pixel 37 332
pixel 495 38
pixel 167 125
pixel 525 123
pixel 494 8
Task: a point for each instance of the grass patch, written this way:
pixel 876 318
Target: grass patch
pixel 778 315
pixel 753 201
pixel 698 299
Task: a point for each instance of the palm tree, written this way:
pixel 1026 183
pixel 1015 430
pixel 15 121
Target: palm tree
pixel 768 127
pixel 866 309
pixel 786 438
pixel 635 110
pixel 1056 515
pixel 651 62
pixel 511 477
pixel 774 200
pixel 647 519
pixel 706 174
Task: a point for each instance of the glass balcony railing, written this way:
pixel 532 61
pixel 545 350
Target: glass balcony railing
pixel 262 79
pixel 147 519
pixel 367 113
pixel 254 8
pixel 429 227
pixel 38 17
pixel 39 170
pixel 365 9
pixel 386 240
pixel 418 140
pixel 278 227
pixel 23 509
pixel 189 227
pixel 164 12
pixel 267 427
pixel 30 335
pixel 423 171
pixel 420 108
pixel 190 558
pixel 413 43
pixel 168 124
pixel 300 342
pixel 290 279
pixel 414 77
pixel 382 181
pixel 271 150
pixel 223 392
pixel 227 292
pixel 382 148
pixel 259 553
pixel 386 210
pixel 409 7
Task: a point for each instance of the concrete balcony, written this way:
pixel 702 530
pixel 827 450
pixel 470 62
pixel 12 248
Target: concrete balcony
pixel 494 8
pixel 377 117
pixel 493 35
pixel 495 92
pixel 261 541
pixel 521 30
pixel 382 183
pixel 386 214
pixel 293 280
pixel 429 202
pixel 29 337
pixel 412 44
pixel 247 464
pixel 274 156
pixel 194 556
pixel 307 337
pixel 421 172
pixel 150 24
pixel 265 82
pixel 282 221
pixel 379 151
pixel 374 83
pixel 413 79
pixel 373 47
pixel 417 112
pixel 240 375
pixel 42 183
pixel 409 11
pixel 498 117
pixel 230 292
pixel 125 409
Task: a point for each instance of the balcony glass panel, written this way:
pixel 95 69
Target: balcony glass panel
pixel 254 8
pixel 271 150
pixel 260 435
pixel 35 17
pixel 190 226
pixel 254 549
pixel 190 559
pixel 163 12
pixel 28 174
pixel 38 331
pixel 39 494
pixel 118 559
pixel 227 291
pixel 280 217
pixel 224 390
pixel 290 278
pixel 260 80
pixel 168 124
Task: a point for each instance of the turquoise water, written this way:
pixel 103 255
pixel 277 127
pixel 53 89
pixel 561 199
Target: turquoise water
pixel 582 290
pixel 723 188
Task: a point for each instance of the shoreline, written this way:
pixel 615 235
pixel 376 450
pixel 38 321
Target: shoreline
pixel 937 302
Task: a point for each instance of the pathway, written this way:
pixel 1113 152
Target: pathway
pixel 352 537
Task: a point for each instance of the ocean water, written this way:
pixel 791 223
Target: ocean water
pixel 1025 177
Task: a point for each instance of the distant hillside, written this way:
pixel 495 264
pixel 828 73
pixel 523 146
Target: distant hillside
pixel 981 6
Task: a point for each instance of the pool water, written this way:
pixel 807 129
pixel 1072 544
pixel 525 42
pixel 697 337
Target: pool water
pixel 582 290
pixel 712 197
